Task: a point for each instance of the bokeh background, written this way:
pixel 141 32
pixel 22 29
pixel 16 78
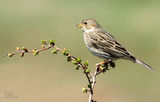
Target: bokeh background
pixel 49 78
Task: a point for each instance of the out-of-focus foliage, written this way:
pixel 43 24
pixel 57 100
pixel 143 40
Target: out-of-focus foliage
pixel 44 78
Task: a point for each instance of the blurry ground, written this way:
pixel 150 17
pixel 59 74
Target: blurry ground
pixel 48 78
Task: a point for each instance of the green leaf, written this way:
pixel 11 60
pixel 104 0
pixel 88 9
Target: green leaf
pixel 52 42
pixel 65 52
pixel 79 60
pixel 86 63
pixel 84 90
pixel 89 85
pixel 43 41
pixel 87 70
pixel 74 62
pixel 25 49
pixel 54 51
pixel 35 53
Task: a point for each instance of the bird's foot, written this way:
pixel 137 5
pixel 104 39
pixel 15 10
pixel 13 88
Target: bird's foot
pixel 105 62
pixel 103 66
pixel 99 64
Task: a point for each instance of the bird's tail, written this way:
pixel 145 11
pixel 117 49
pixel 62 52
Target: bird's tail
pixel 145 65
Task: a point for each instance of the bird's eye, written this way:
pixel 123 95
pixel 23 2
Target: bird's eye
pixel 85 23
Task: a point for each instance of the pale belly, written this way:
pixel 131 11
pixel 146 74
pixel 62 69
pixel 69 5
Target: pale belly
pixel 95 51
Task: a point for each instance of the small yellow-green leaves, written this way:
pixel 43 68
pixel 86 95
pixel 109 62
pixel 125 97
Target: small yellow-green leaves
pixel 43 41
pixel 89 85
pixel 25 49
pixel 54 51
pixel 52 42
pixel 87 70
pixel 74 62
pixel 84 90
pixel 10 55
pixel 86 63
pixel 42 46
pixel 65 52
pixel 78 60
pixel 35 52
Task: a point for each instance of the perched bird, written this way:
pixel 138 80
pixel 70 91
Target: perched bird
pixel 102 44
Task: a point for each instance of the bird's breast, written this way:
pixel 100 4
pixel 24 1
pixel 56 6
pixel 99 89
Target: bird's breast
pixel 89 44
pixel 87 41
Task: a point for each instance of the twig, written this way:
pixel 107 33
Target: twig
pixel 91 78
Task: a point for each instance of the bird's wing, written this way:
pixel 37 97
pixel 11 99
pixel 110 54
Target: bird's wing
pixel 105 42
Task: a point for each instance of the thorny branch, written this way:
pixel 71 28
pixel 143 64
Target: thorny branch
pixel 76 61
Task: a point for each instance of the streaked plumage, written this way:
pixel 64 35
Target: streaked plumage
pixel 102 44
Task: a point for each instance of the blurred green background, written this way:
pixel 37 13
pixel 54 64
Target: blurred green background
pixel 47 77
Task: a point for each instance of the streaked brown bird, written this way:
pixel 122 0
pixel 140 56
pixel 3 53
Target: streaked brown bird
pixel 102 44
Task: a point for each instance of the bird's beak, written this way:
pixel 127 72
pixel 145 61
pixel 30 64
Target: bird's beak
pixel 79 25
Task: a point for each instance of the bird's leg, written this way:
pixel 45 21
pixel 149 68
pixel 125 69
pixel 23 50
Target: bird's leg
pixel 101 63
pixel 103 66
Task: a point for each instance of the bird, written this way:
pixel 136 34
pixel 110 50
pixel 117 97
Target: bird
pixel 102 44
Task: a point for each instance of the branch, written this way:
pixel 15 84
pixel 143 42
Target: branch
pixel 91 78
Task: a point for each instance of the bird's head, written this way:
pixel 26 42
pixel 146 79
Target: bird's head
pixel 88 25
